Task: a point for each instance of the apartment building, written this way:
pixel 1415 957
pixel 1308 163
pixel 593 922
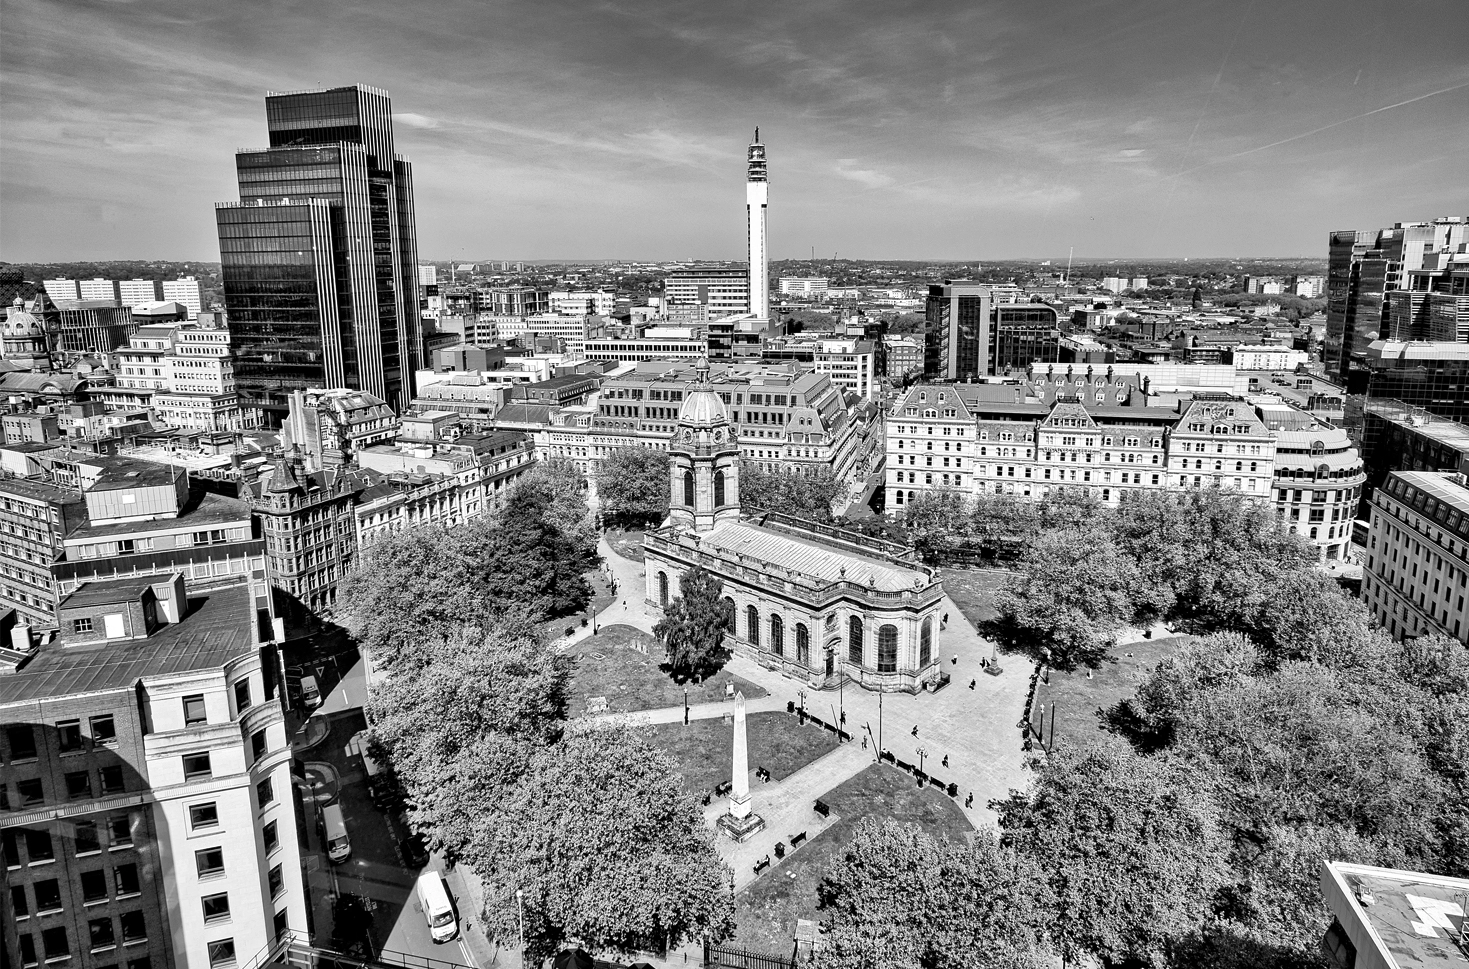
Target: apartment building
pixel 721 292
pixel 1319 476
pixel 1417 573
pixel 146 810
pixel 185 290
pixel 138 292
pixel 851 364
pixel 35 518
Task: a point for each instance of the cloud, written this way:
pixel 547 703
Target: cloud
pixel 869 177
pixel 414 120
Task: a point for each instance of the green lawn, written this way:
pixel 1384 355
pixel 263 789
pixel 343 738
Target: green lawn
pixel 628 544
pixel 973 591
pixel 1079 702
pixel 703 749
pixel 767 911
pixel 608 665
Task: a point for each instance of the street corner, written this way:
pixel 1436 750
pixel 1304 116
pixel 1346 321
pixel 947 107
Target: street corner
pixel 323 781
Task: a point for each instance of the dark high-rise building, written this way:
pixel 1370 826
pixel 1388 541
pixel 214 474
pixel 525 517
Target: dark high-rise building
pixel 957 321
pixel 1362 267
pixel 1024 334
pixel 320 255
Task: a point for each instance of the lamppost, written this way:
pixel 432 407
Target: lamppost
pixel 802 695
pixel 879 724
pixel 921 754
pixel 685 704
pixel 520 920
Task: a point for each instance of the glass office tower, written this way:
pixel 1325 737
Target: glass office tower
pixel 320 254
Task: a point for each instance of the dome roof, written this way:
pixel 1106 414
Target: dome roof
pixel 21 323
pixel 702 406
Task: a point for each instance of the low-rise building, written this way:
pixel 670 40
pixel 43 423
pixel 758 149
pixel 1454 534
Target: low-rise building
pixel 1417 574
pixel 851 364
pixel 1387 918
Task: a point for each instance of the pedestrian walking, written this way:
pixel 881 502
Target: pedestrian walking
pixel 946 760
pixel 971 684
pixel 915 730
pixel 864 743
pixel 969 801
pixel 956 659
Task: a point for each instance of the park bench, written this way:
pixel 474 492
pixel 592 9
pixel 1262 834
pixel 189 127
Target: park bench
pixel 797 838
pixel 723 788
pixel 762 864
pixel 823 809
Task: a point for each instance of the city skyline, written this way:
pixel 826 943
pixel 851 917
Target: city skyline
pixel 1138 129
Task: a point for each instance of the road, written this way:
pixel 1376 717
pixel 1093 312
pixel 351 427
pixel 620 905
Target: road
pixel 377 869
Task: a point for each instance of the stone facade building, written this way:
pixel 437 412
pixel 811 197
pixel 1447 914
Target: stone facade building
pixel 814 602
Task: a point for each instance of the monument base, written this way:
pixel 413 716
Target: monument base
pixel 741 829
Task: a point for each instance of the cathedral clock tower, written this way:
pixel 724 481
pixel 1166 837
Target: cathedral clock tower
pixel 704 461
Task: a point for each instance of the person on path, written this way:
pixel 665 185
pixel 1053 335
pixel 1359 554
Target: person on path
pixel 946 760
pixel 956 659
pixel 915 730
pixel 971 684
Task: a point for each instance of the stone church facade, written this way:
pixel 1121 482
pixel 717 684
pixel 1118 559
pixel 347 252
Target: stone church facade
pixel 812 601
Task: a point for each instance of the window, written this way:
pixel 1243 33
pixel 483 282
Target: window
pixel 134 927
pixel 54 945
pixel 854 640
pixel 112 779
pixel 752 625
pixel 78 784
pixel 85 834
pixel 27 951
pixel 21 741
pixel 48 896
pixel 196 765
pixel 125 878
pixel 209 861
pixel 270 836
pixel 777 635
pixel 663 589
pixel 18 901
pixel 203 815
pixel 38 845
pixel 276 881
pixel 222 953
pixel 69 735
pixel 242 695
pixel 925 643
pixel 81 625
pixel 143 963
pixel 257 745
pixel 100 931
pixel 216 907
pixel 803 644
pixel 10 847
pixel 281 923
pixel 194 712
pixel 30 791
pixel 264 792
pixel 94 885
pixel 104 731
pixel 887 648
pixel 718 488
pixel 688 488
pixel 120 830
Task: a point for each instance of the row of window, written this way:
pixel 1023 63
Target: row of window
pixel 94 884
pixel 55 946
pixel 40 847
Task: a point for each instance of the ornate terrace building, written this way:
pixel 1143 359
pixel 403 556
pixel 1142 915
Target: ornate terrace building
pixel 811 601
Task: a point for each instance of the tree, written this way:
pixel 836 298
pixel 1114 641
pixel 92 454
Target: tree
pixel 1130 846
pixel 606 848
pixel 805 494
pixel 405 587
pixel 632 485
pixel 560 492
pixel 902 899
pixel 1071 592
pixel 1306 616
pixel 937 522
pixel 523 556
pixel 693 626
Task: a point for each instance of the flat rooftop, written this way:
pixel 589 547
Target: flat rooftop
pixel 1398 918
pixel 813 557
pixel 218 627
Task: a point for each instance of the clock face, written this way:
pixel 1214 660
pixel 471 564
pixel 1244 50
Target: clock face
pixel 688 435
pixel 718 437
pixel 757 152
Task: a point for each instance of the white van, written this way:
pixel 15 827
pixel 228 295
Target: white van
pixel 310 692
pixel 334 833
pixel 437 910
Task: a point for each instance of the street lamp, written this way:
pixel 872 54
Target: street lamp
pixel 685 704
pixel 802 695
pixel 921 754
pixel 520 918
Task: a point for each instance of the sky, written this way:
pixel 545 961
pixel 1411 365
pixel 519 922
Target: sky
pixel 927 129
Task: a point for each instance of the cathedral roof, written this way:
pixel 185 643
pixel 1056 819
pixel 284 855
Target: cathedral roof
pixel 19 323
pixel 813 557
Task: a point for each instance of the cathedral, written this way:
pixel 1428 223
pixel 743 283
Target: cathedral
pixel 813 601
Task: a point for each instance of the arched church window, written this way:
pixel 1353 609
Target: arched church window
pixel 777 636
pixel 925 643
pixel 803 644
pixel 688 488
pixel 718 488
pixel 729 614
pixel 663 588
pixel 854 640
pixel 752 625
pixel 887 648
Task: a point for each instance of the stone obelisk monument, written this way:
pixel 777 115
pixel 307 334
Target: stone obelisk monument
pixel 739 822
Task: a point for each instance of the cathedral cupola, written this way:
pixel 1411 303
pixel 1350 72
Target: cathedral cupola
pixel 704 458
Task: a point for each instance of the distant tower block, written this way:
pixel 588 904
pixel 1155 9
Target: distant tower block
pixel 755 203
pixel 740 823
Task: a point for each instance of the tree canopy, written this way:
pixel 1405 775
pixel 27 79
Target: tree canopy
pixel 693 626
pixel 791 492
pixel 632 486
